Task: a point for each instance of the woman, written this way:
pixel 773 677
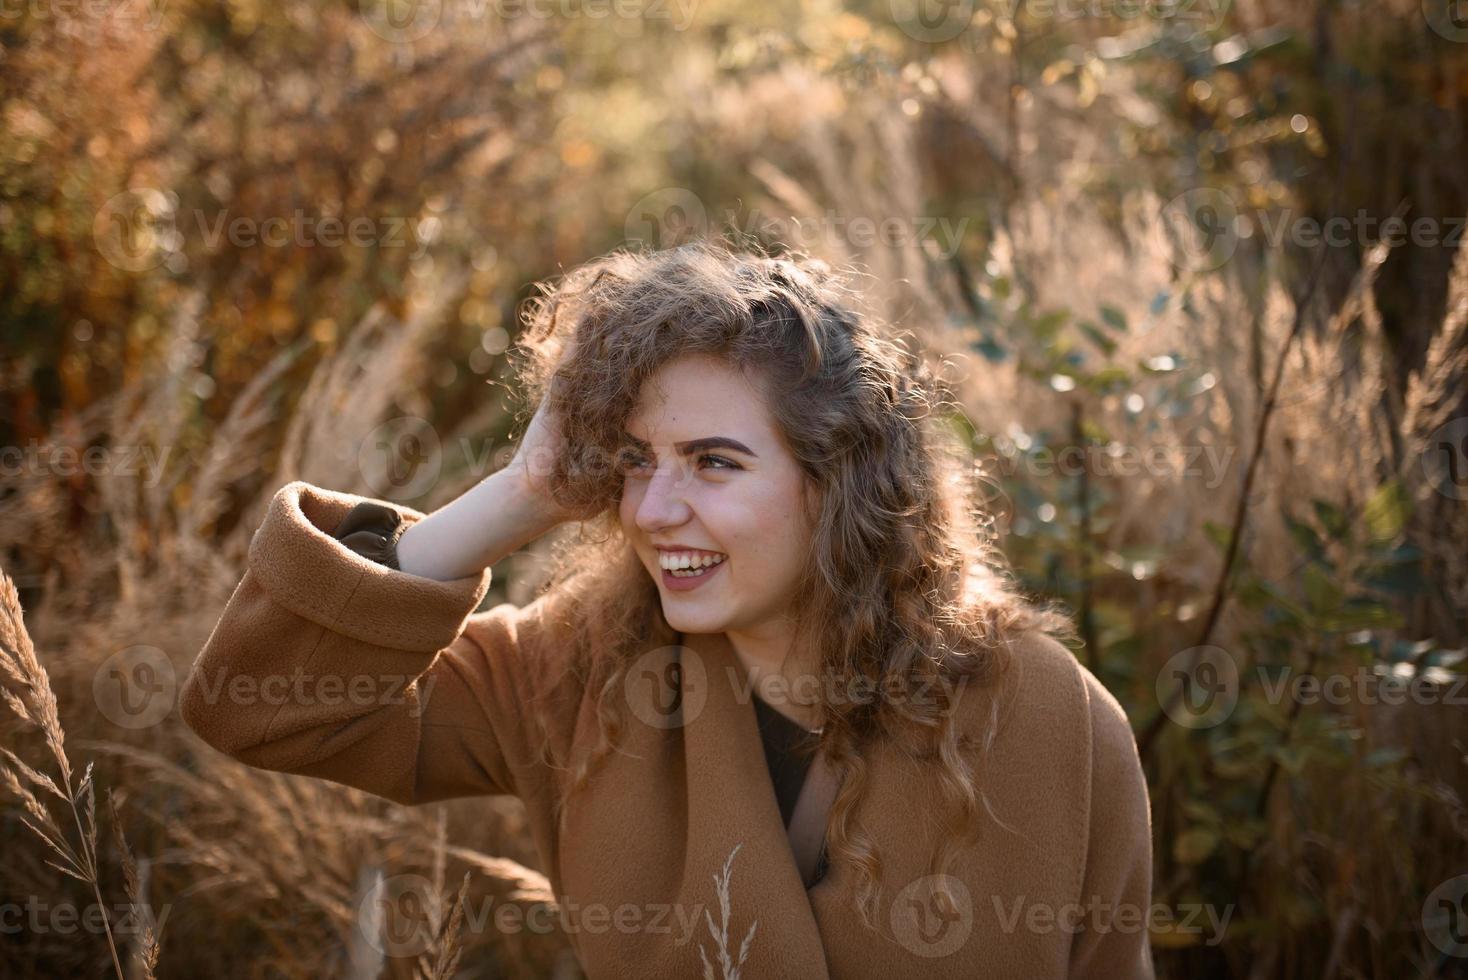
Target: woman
pixel 775 679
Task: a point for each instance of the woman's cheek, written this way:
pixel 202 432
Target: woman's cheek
pixel 627 509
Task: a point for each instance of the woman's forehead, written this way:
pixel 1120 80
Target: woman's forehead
pixel 699 391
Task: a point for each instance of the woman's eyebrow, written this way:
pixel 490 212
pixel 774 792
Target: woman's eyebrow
pixel 699 445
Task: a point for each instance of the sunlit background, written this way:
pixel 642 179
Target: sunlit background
pixel 1218 396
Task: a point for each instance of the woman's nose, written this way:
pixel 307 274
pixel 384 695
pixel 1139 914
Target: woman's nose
pixel 663 503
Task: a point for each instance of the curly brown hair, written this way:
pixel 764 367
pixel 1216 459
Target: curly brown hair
pixel 904 587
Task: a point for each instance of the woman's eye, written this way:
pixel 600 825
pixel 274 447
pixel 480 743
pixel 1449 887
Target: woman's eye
pixel 631 461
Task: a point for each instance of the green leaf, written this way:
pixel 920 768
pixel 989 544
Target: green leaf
pixel 1047 325
pixel 1331 518
pixel 1387 511
pixel 991 349
pixel 1094 335
pixel 1323 593
pixel 1109 378
pixel 1218 533
pixel 1094 432
pixel 1113 318
pixel 1305 538
pixel 1193 846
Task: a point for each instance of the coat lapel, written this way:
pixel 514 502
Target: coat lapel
pixel 739 861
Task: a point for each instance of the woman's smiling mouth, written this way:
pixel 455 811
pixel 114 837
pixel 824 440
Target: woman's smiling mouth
pixel 687 568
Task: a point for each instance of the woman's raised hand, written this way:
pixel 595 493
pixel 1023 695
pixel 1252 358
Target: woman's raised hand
pixel 535 461
pixel 502 513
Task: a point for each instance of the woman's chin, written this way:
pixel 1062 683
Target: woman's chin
pixel 693 620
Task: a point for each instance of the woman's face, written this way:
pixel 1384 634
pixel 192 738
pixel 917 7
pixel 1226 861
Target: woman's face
pixel 712 482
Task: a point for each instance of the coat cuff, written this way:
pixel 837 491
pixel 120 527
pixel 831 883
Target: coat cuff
pixel 303 566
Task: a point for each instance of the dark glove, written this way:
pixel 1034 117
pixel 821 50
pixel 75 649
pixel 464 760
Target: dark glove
pixel 372 530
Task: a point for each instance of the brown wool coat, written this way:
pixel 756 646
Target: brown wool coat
pixel 440 710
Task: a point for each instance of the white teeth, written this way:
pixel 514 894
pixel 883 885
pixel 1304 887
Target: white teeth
pixel 691 572
pixel 687 561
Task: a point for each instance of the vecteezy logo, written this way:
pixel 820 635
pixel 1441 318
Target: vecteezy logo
pixel 1199 687
pixel 401 459
pixel 933 21
pixel 135 230
pixel 1445 459
pixel 395 915
pixel 1445 916
pixel 667 217
pixel 1447 18
pixel 1198 229
pixel 135 687
pixel 401 21
pixel 667 687
pixel 933 916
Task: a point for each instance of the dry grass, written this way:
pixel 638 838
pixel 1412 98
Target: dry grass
pixel 36 704
pixel 730 961
pixel 231 858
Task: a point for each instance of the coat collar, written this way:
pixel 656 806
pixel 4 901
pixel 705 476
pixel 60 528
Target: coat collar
pixel 682 819
pixel 735 832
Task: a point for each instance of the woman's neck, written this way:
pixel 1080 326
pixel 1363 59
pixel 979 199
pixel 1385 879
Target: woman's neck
pixel 776 675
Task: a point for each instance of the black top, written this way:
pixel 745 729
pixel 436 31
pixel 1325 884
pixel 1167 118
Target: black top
pixel 783 741
pixel 788 766
pixel 372 531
